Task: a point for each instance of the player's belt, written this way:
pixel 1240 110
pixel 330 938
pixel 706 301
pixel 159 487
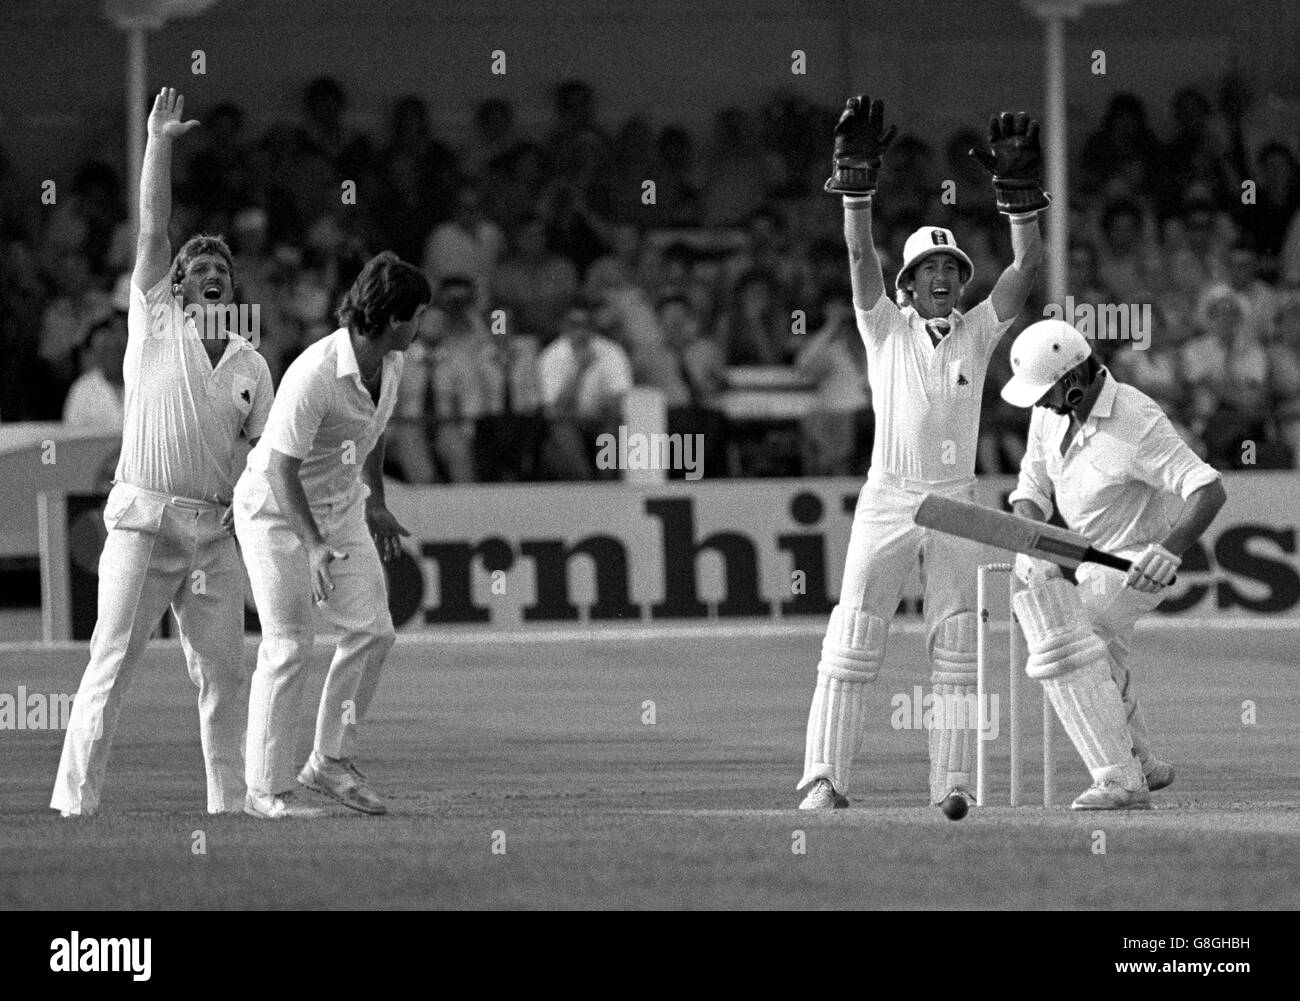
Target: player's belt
pixel 185 502
pixel 918 486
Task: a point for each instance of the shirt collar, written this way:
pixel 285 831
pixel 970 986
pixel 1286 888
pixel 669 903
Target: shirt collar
pixel 345 359
pixel 1105 401
pixel 345 363
pixel 918 322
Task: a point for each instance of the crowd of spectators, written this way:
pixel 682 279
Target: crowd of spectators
pixel 573 265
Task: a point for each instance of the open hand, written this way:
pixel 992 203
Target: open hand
pixel 165 120
pixel 319 558
pixel 385 530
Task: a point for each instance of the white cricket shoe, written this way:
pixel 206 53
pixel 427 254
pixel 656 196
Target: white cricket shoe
pixel 822 796
pixel 1110 795
pixel 1160 774
pixel 282 807
pixel 341 780
pixel 77 814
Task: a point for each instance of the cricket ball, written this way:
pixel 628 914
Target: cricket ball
pixel 954 807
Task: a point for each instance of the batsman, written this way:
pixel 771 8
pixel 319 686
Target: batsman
pixel 1122 478
pixel 926 361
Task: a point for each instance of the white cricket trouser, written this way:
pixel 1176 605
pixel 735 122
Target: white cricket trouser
pixel 1113 610
pixel 162 551
pixel 884 545
pixel 358 607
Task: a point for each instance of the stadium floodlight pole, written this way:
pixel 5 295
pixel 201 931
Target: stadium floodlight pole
pixel 135 18
pixel 1053 14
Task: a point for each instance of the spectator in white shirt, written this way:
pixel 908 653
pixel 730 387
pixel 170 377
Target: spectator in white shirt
pixel 835 359
pixel 96 398
pixel 583 378
pixel 467 244
pixel 1227 367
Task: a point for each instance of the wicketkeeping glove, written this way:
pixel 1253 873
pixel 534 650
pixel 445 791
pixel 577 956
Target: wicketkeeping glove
pixel 1015 159
pixel 860 140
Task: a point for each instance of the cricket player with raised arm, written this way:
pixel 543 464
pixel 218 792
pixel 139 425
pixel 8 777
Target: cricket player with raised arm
pixel 1122 477
pixel 926 362
pixel 310 514
pixel 190 394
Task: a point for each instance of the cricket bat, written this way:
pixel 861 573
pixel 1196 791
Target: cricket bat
pixel 1009 531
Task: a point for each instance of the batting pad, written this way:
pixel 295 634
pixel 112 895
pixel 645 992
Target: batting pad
pixel 953 654
pixel 1057 631
pixel 954 713
pixel 1088 706
pixel 952 739
pixel 851 656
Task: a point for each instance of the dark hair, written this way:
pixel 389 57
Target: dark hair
pixel 674 295
pixel 1126 103
pixel 323 87
pixel 227 110
pixel 1272 148
pixel 113 323
pixel 493 106
pixel 1119 207
pixel 196 246
pixel 455 281
pixel 387 289
pixel 757 276
pixel 679 250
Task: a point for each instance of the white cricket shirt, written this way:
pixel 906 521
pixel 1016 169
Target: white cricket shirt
pixel 182 413
pixel 1124 478
pixel 324 415
pixel 927 398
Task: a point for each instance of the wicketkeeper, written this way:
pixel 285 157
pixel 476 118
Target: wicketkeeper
pixel 926 362
pixel 1122 477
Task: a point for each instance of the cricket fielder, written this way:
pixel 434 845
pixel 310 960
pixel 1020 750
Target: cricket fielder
pixel 189 395
pixel 1123 478
pixel 310 513
pixel 926 362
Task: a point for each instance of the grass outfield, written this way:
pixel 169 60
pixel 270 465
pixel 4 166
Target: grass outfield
pixel 543 741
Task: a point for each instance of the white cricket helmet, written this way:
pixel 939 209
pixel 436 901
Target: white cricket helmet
pixel 928 241
pixel 1043 352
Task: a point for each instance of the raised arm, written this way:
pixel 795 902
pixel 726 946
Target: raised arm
pixel 153 251
pixel 860 143
pixel 864 262
pixel 1014 156
pixel 1016 282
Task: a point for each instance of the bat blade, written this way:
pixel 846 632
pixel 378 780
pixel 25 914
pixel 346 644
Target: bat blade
pixel 1007 531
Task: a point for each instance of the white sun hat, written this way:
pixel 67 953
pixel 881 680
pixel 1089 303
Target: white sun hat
pixel 928 241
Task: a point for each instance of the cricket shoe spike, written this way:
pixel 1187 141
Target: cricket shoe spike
pixel 341 780
pixel 1160 774
pixel 1110 795
pixel 822 796
pixel 282 807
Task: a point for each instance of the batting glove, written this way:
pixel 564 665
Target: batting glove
pixel 1154 569
pixel 1033 572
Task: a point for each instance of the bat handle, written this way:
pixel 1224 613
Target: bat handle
pixel 1092 555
